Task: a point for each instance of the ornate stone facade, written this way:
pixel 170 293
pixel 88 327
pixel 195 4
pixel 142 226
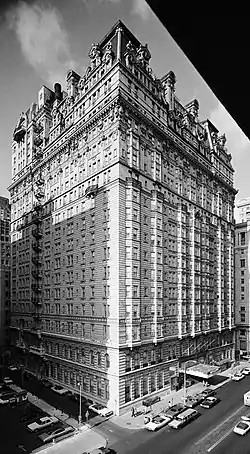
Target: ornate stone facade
pixel 122 230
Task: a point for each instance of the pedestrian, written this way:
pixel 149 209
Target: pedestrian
pixel 87 415
pixel 169 404
pixel 132 412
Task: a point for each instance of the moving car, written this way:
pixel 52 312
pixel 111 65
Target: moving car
pixel 243 426
pixel 12 368
pixel 173 411
pixel 238 376
pixel 49 435
pixel 150 401
pixel 157 422
pixel 8 381
pixel 246 371
pixel 210 402
pixel 40 423
pixel 184 418
pixel 101 410
pixel 60 390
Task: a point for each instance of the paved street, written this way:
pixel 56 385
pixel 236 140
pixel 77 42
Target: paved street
pixel 198 437
pixel 233 444
pixel 168 441
pixel 103 426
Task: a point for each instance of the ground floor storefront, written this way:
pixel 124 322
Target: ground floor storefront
pixel 122 377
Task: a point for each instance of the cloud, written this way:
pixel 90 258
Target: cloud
pixel 43 40
pixel 237 141
pixel 140 8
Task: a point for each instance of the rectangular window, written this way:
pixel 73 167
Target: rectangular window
pixel 242 263
pixel 242 317
pixel 242 239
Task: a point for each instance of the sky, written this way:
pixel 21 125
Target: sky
pixel 41 40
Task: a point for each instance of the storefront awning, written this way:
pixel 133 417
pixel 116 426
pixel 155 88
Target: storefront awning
pixel 203 371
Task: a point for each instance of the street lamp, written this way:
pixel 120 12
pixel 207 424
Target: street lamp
pixel 80 406
pixel 185 378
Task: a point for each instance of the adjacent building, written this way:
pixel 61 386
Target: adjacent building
pixel 242 297
pixel 242 207
pixel 122 230
pixel 4 271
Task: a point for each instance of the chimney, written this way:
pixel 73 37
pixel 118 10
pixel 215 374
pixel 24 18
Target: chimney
pixel 58 92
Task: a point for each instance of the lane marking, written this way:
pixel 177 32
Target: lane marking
pixel 223 437
pixel 220 425
pixel 220 440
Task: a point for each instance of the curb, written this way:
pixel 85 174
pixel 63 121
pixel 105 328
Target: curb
pixel 140 426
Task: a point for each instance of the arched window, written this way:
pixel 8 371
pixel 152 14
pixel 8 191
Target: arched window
pixel 92 358
pixel 64 351
pixel 107 360
pixel 57 349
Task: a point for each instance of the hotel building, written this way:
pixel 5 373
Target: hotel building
pixel 122 230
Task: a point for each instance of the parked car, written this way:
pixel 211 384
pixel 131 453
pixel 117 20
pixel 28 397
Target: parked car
pixel 238 376
pixel 210 402
pixel 208 392
pixel 55 433
pixel 6 398
pixel 184 418
pixel 243 426
pixel 199 397
pixel 76 398
pixel 8 381
pixel 175 410
pixel 31 415
pixel 12 368
pixel 157 422
pixel 60 390
pixel 151 400
pixel 101 410
pixel 41 423
pixel 46 383
pixel 246 371
pixel 191 402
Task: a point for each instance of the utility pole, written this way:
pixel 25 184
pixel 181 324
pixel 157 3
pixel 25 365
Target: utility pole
pixel 80 407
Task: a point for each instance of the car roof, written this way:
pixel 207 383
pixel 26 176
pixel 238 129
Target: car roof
pixel 186 413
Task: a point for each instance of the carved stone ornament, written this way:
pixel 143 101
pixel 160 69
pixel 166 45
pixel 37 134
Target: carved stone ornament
pixel 143 55
pixel 171 115
pixel 95 51
pixel 82 82
pixel 108 54
pixel 222 141
pixel 130 54
pixel 214 137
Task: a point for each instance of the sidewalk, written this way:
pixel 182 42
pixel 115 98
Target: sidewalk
pixel 85 440
pixel 77 444
pixel 137 422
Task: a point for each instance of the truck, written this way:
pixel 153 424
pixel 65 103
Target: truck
pixel 247 398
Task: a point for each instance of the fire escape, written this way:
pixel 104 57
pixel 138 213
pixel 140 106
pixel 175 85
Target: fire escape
pixel 37 142
pixel 36 273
